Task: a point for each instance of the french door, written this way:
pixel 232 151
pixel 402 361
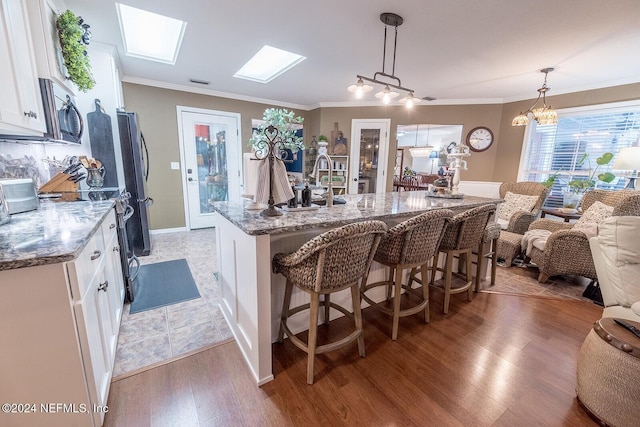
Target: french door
pixel 369 154
pixel 210 154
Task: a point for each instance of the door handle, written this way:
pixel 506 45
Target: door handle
pixel 355 179
pixel 190 179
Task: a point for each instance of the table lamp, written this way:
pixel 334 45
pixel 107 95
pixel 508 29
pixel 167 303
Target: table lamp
pixel 628 159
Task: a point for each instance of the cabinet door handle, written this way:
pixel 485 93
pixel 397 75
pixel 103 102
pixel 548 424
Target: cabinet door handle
pixel 103 286
pixel 116 249
pixel 112 226
pixel 96 255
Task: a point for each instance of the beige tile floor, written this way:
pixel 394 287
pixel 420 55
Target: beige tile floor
pixel 157 335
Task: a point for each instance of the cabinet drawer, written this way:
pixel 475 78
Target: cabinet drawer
pixel 109 226
pixel 83 268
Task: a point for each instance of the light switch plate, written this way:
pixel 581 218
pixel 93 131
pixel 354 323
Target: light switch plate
pixel 175 165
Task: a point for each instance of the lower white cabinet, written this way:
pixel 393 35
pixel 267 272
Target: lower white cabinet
pixel 59 332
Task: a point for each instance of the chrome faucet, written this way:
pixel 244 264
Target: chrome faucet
pixel 316 170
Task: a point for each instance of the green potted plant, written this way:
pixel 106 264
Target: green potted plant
pixel 74 35
pixel 285 122
pixel 576 187
pixel 323 138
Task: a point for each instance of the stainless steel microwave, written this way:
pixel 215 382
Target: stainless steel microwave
pixel 62 117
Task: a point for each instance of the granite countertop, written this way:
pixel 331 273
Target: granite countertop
pixel 396 205
pixel 56 232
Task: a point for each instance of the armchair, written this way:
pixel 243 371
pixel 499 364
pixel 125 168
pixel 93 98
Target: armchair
pixel 514 218
pixel 616 255
pixel 520 220
pixel 566 250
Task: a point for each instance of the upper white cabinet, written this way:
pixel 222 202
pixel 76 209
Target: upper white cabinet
pixel 50 64
pixel 21 108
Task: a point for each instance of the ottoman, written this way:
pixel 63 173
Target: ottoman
pixel 608 373
pixel 508 246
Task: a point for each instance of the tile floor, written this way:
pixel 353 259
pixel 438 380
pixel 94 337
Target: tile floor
pixel 153 336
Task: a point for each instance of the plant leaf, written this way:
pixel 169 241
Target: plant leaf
pixel 606 177
pixel 582 159
pixel 604 159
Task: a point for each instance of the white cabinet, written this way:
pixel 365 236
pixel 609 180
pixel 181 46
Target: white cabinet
pixel 21 109
pixel 49 61
pixel 59 328
pixel 340 174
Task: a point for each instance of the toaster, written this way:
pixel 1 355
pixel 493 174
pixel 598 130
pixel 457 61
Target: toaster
pixel 20 195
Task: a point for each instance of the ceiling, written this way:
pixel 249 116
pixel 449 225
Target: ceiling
pixel 458 51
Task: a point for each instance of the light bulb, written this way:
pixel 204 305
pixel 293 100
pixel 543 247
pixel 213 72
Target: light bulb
pixel 386 98
pixel 409 103
pixel 359 91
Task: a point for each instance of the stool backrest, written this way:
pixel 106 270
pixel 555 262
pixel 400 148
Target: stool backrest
pixel 414 241
pixel 465 230
pixel 337 258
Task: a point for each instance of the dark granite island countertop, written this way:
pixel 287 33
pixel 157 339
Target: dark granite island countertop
pixel 56 232
pixel 385 206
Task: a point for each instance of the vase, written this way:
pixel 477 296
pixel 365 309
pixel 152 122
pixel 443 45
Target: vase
pixel 571 200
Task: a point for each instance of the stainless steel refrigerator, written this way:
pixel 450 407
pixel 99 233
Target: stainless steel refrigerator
pixel 135 159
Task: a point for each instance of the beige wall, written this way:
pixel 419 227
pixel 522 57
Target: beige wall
pixel 158 119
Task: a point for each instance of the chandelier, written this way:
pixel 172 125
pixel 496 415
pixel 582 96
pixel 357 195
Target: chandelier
pixel 544 115
pixel 424 150
pixel 386 94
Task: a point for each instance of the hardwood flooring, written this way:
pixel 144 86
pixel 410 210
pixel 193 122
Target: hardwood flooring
pixel 500 360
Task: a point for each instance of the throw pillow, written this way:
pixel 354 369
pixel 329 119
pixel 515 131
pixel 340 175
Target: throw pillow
pixel 513 203
pixel 596 213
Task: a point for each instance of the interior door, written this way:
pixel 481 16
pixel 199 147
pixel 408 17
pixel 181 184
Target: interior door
pixel 210 161
pixel 369 154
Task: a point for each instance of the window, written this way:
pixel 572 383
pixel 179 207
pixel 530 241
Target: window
pixel 593 130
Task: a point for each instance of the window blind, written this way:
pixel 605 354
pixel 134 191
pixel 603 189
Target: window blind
pixel 558 148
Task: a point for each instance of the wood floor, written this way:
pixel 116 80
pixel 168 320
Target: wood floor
pixel 500 360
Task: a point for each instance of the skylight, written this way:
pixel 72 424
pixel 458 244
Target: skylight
pixel 150 36
pixel 268 64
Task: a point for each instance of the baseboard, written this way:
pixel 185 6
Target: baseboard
pixel 168 230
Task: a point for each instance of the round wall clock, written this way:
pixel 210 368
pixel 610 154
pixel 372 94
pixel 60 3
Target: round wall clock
pixel 480 138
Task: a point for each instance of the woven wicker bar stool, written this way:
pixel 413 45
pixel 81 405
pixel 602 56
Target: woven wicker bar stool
pixel 464 233
pixel 490 235
pixel 408 245
pixel 333 261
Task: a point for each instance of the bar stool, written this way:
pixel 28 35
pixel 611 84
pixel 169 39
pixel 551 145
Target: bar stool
pixel 333 261
pixel 408 245
pixel 490 235
pixel 463 234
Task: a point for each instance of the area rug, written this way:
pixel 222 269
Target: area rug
pixel 163 283
pixel 523 280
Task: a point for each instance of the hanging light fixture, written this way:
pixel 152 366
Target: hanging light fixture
pixel 386 94
pixel 544 115
pixel 422 151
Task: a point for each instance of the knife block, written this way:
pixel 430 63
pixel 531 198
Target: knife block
pixel 59 183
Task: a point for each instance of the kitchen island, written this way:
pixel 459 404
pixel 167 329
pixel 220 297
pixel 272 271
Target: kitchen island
pixel 246 242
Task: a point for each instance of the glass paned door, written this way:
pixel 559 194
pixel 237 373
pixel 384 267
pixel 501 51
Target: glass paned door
pixel 369 154
pixel 211 157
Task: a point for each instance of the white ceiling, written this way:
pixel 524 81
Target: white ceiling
pixel 458 51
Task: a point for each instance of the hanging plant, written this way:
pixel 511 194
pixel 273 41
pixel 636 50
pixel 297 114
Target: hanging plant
pixel 74 35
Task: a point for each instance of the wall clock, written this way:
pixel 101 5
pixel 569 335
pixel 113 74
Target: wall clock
pixel 480 138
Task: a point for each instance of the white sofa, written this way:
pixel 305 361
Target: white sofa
pixel 616 256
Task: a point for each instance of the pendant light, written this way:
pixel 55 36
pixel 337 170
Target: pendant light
pixel 387 93
pixel 421 151
pixel 544 115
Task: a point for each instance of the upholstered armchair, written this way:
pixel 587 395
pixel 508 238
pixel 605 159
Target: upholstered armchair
pixel 616 255
pixel 567 250
pixel 518 220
